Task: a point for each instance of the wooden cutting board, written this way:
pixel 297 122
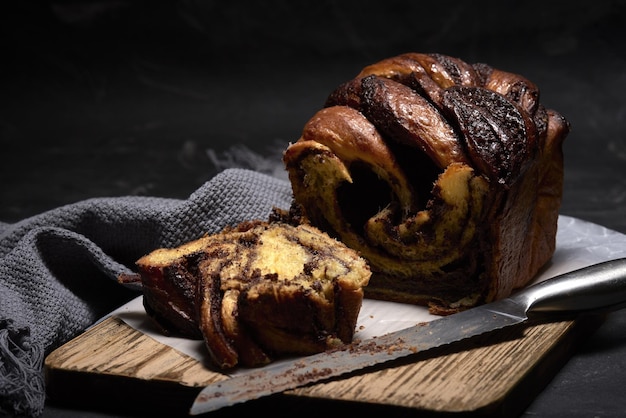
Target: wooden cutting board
pixel 114 367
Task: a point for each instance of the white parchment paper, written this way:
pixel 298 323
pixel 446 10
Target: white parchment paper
pixel 579 244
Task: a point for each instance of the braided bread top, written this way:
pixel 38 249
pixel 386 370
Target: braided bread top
pixel 446 176
pixel 489 117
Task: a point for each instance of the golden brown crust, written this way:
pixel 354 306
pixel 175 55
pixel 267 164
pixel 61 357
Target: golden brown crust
pixel 446 176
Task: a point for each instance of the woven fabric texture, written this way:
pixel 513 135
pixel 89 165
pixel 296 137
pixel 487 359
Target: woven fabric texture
pixel 59 269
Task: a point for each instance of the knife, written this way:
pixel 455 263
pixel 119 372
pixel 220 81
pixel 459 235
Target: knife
pixel 597 288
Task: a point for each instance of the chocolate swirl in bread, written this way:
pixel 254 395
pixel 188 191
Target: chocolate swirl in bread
pixel 257 291
pixel 446 176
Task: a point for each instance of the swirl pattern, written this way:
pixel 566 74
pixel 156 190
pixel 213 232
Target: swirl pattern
pixel 446 176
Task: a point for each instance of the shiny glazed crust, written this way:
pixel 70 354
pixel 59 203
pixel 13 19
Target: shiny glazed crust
pixel 446 176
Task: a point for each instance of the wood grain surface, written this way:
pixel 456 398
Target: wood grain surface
pixel 492 375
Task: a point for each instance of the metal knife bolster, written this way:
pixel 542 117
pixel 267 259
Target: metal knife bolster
pixel 599 287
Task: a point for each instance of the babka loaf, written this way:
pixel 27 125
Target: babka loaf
pixel 257 291
pixel 446 176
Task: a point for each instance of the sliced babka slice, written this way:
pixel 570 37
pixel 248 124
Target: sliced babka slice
pixel 257 291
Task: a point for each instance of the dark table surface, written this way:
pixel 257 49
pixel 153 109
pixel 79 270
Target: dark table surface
pixel 116 98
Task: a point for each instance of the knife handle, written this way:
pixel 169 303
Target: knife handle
pixel 599 287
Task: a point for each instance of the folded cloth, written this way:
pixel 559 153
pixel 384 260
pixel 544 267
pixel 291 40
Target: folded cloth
pixel 59 269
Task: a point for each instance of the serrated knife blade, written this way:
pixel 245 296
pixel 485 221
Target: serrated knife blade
pixel 598 287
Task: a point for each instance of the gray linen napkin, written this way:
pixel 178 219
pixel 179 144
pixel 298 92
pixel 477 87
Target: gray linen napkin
pixel 59 269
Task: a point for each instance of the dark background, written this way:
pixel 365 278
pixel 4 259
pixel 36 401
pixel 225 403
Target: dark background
pixel 109 98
